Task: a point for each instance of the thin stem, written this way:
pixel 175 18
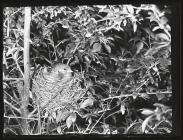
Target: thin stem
pixel 12 106
pixel 20 118
pixel 97 122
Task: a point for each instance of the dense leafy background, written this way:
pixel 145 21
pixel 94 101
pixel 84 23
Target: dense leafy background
pixel 124 51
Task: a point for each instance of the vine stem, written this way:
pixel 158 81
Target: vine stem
pixel 96 122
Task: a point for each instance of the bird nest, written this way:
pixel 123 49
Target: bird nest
pixel 53 97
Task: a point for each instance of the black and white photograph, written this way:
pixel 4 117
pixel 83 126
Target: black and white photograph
pixel 87 69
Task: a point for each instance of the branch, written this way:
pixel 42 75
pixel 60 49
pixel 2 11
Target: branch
pixel 25 92
pixel 12 106
pixel 97 122
pixel 13 79
pixel 20 118
pixel 128 95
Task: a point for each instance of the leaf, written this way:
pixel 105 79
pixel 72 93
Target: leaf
pixel 168 27
pixel 139 46
pixel 8 40
pixel 122 109
pixel 54 115
pixel 164 62
pixel 15 55
pixel 105 11
pixel 124 22
pixel 151 51
pixel 117 21
pixel 108 48
pixel 155 28
pixel 50 118
pixel 46 114
pixel 145 122
pixel 147 112
pixel 66 26
pixel 152 18
pixel 96 48
pixel 75 61
pixel 134 27
pixel 101 6
pixel 70 120
pixel 90 120
pixel 59 129
pixel 132 68
pixel 88 34
pixel 160 96
pixel 162 36
pixel 110 38
pixel 11 51
pixel 155 69
pixel 87 59
pixel 58 118
pixel 163 20
pixel 130 9
pixel 87 102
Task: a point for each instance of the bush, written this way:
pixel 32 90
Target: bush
pixel 124 52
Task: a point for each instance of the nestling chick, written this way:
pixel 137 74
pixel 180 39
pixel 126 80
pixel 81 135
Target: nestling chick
pixel 59 73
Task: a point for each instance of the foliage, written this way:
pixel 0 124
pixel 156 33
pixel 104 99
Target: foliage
pixel 124 51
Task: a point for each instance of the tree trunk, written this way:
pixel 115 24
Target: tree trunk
pixel 25 93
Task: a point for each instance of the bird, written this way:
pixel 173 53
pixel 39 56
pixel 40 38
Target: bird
pixel 61 73
pixel 50 84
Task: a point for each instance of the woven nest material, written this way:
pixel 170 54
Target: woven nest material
pixel 57 96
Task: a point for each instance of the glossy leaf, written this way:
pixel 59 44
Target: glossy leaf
pixel 145 122
pixel 134 27
pixel 59 129
pixel 162 36
pixel 139 46
pixel 160 96
pixel 163 20
pixel 54 115
pixel 87 102
pixel 147 112
pixel 130 9
pixel 70 120
pixel 122 109
pixel 108 48
pixel 96 48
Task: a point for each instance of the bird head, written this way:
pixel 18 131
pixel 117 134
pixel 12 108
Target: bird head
pixel 61 72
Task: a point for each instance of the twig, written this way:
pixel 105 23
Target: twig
pixel 8 26
pixel 120 96
pixel 128 95
pixel 96 122
pixel 12 98
pixel 20 118
pixel 19 68
pixel 31 113
pixel 39 119
pixel 11 16
pixel 11 130
pixel 12 106
pixel 140 86
pixel 12 79
pixel 112 114
pixel 165 92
